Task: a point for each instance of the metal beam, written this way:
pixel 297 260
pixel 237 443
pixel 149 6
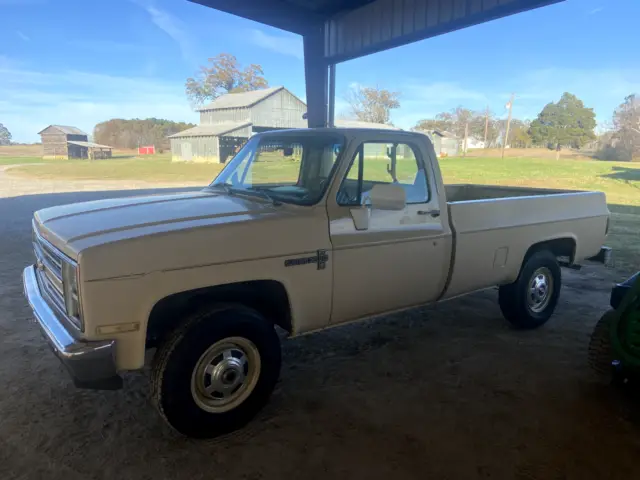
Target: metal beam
pixel 275 13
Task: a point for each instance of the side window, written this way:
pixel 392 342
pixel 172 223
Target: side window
pixel 384 163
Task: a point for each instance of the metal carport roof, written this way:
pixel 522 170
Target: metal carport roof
pixel 338 30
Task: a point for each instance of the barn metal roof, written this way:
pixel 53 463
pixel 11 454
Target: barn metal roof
pixel 209 130
pixel 89 144
pixel 67 130
pixel 240 100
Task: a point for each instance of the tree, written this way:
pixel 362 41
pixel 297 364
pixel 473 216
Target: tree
pixel 519 133
pixel 5 135
pixel 372 104
pixel 455 120
pixel 443 121
pixel 626 122
pixel 565 123
pixel 133 133
pixel 223 74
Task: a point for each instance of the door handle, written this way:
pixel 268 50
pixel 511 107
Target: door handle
pixel 433 213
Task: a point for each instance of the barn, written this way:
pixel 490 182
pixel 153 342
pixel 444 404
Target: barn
pixel 65 142
pixel 228 121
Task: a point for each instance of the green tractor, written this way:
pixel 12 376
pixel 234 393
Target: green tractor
pixel 614 349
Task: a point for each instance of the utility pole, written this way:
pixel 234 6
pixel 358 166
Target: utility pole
pixel 466 134
pixel 506 134
pixel 486 126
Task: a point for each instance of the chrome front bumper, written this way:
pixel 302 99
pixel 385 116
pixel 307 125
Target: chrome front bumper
pixel 91 364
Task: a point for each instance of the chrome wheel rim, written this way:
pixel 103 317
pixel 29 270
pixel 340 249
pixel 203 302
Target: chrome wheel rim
pixel 226 374
pixel 540 290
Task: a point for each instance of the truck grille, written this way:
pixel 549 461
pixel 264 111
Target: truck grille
pixel 49 273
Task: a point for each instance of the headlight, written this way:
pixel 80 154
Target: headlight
pixel 70 284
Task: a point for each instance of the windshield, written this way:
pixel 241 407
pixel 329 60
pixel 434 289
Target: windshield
pixel 287 168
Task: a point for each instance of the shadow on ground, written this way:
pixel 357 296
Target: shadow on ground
pixel 624 173
pixel 448 392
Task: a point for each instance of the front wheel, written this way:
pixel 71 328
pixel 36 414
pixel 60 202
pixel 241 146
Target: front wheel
pixel 531 300
pixel 216 371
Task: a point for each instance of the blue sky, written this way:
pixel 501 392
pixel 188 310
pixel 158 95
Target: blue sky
pixel 79 62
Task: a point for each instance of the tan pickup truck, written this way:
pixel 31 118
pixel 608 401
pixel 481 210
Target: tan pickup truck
pixel 304 230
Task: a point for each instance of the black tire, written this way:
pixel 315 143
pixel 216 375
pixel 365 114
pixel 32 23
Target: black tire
pixel 513 298
pixel 175 363
pixel 600 351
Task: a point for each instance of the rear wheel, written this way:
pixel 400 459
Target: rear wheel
pixel 216 371
pixel 531 300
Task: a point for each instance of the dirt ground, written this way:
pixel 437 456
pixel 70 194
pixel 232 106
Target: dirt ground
pixel 447 392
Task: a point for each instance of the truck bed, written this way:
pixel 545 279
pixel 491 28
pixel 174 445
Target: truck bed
pixel 469 192
pixel 494 226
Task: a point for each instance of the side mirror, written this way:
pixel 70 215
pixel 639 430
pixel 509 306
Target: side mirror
pixel 388 197
pixel 287 151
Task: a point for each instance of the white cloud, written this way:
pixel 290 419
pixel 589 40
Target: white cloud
pixel 23 36
pixel 173 27
pixel 595 10
pixel 440 93
pixel 32 100
pixel 600 89
pixel 285 44
pixel 106 46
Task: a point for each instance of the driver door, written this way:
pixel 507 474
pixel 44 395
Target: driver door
pixel 386 260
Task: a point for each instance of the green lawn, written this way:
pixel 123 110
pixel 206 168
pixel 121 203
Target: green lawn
pixel 152 168
pixel 23 160
pixel 619 181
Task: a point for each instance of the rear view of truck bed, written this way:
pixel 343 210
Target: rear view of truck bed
pixel 495 226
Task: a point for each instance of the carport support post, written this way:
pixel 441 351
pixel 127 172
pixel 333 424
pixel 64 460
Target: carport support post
pixel 316 77
pixel 332 95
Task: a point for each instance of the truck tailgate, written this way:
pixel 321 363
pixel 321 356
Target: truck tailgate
pixel 492 235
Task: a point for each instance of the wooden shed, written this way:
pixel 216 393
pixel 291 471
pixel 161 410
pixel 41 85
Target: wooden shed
pixel 446 144
pixel 65 142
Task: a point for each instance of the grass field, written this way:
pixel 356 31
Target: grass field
pixel 619 181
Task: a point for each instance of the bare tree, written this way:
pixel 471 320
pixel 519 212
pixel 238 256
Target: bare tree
pixel 457 120
pixel 223 74
pixel 372 104
pixel 626 121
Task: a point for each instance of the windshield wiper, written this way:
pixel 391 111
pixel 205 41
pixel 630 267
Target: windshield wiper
pixel 227 188
pixel 230 190
pixel 264 193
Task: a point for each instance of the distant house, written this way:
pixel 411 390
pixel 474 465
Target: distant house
pixel 446 144
pixel 473 142
pixel 61 141
pixel 228 121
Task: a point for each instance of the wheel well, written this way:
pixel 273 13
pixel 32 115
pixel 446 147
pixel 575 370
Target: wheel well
pixel 268 297
pixel 560 247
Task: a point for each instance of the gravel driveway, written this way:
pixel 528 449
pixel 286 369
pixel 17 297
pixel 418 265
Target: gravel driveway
pixel 448 392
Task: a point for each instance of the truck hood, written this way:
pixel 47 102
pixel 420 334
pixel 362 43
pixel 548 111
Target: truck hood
pixel 74 227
